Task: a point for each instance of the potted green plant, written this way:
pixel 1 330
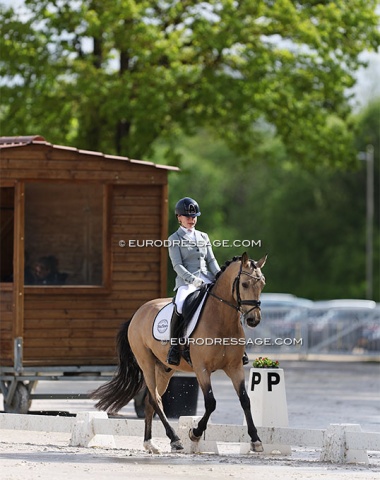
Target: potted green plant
pixel 265 362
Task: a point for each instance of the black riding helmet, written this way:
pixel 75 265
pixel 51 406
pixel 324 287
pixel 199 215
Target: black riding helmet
pixel 187 207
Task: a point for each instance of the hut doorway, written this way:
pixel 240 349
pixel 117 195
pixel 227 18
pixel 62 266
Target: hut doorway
pixel 7 214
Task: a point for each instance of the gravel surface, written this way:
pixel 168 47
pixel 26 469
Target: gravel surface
pixel 318 393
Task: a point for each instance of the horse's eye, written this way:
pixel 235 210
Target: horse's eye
pixel 245 284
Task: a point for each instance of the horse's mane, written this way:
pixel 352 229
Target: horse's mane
pixel 223 267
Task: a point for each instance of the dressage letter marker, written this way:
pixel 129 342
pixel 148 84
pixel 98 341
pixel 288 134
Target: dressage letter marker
pixel 255 379
pixel 273 379
pixel 266 390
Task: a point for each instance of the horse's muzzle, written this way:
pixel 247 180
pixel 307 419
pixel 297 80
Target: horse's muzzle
pixel 253 318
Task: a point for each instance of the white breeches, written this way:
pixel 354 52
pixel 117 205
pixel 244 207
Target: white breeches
pixel 184 291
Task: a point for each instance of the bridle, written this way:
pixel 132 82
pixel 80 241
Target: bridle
pixel 236 288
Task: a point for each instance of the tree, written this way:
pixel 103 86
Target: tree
pixel 311 223
pixel 117 75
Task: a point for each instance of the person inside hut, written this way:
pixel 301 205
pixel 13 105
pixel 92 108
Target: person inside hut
pixel 193 261
pixel 29 277
pixel 46 272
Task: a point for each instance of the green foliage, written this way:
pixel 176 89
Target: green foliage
pixel 117 75
pixel 312 224
pixel 178 81
pixel 265 362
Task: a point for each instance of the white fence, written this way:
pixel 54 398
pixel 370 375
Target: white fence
pixel 317 331
pixel 338 443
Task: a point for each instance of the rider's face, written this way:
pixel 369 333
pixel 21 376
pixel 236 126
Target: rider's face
pixel 187 222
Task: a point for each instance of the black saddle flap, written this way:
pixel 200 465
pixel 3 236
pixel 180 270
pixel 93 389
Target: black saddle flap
pixel 192 302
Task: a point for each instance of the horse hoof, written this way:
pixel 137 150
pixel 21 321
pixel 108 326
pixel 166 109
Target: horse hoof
pixel 192 437
pixel 150 447
pixel 176 446
pixel 257 446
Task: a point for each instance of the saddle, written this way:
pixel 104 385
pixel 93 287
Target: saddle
pixel 192 310
pixel 192 302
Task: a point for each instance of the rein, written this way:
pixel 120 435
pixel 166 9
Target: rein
pixel 236 287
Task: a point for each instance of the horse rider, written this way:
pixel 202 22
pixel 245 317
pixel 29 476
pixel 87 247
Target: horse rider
pixel 193 261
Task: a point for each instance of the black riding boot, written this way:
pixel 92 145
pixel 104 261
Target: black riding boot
pixel 174 355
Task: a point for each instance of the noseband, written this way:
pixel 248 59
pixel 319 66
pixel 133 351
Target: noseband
pixel 236 288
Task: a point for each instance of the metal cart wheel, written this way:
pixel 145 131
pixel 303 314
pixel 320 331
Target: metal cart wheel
pixel 20 402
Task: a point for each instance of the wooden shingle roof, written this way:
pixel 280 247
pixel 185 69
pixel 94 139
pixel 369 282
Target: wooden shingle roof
pixel 22 141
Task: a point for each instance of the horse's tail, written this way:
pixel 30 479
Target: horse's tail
pixel 128 380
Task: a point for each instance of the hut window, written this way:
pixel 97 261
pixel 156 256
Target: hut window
pixel 63 234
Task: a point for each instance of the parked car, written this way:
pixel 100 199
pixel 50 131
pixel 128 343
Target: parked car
pixel 345 303
pixel 274 300
pixel 283 315
pixel 340 325
pixel 371 331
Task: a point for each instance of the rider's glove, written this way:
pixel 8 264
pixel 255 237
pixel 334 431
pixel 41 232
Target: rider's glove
pixel 197 282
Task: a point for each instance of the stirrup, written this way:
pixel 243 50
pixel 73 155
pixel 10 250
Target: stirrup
pixel 174 355
pixel 245 359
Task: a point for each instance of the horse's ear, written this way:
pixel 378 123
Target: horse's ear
pixel 260 263
pixel 245 259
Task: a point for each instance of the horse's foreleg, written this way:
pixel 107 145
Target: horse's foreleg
pixel 204 380
pixel 256 445
pixel 238 380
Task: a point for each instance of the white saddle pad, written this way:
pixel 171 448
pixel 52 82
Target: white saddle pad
pixel 161 324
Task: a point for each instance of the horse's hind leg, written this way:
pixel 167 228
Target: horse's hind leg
pixel 149 412
pixel 238 380
pixel 162 381
pixel 157 380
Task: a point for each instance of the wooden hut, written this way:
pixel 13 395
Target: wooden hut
pixel 77 251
